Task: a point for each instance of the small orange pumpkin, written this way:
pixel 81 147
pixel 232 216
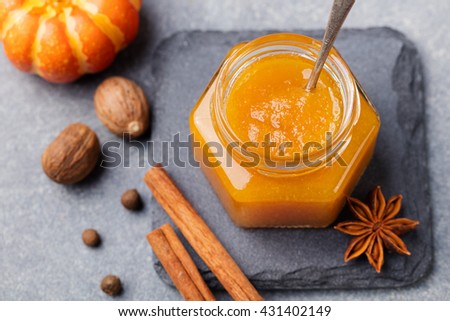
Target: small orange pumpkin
pixel 60 40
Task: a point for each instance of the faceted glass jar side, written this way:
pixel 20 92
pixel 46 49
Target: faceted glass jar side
pixel 307 199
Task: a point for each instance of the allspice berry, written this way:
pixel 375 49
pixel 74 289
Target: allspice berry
pixel 122 107
pixel 72 155
pixel 131 200
pixel 91 238
pixel 111 285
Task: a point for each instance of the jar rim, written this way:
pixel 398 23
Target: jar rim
pixel 308 48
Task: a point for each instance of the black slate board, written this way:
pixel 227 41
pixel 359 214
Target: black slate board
pixel 389 68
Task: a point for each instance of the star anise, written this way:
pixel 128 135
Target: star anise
pixel 377 228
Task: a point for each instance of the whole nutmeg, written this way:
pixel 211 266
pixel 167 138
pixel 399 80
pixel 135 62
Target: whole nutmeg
pixel 72 155
pixel 131 200
pixel 91 238
pixel 121 106
pixel 111 285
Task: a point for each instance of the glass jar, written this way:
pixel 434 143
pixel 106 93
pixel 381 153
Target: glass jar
pixel 303 189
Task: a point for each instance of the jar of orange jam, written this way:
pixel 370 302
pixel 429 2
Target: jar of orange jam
pixel 276 154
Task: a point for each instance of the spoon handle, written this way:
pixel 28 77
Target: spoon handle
pixel 339 12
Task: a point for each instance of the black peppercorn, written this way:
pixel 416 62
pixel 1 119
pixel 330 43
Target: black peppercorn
pixel 111 285
pixel 131 200
pixel 91 238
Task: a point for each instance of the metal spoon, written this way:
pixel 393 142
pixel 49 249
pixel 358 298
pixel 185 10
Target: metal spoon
pixel 339 12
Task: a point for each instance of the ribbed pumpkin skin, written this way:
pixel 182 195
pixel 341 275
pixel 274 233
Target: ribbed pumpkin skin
pixel 60 40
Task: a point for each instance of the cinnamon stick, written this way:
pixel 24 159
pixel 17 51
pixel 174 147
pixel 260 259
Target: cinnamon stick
pixel 198 234
pixel 178 264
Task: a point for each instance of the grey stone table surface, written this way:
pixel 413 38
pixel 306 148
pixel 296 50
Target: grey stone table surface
pixel 29 123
